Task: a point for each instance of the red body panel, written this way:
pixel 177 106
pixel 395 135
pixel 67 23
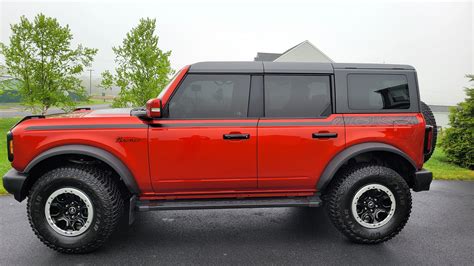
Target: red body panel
pixel 393 129
pixel 290 158
pixel 30 143
pixel 192 155
pixel 190 159
pixel 174 85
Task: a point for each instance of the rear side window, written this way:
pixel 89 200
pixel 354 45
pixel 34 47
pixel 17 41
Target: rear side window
pixel 377 92
pixel 297 96
pixel 211 96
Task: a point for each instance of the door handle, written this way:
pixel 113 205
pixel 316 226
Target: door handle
pixel 324 135
pixel 236 136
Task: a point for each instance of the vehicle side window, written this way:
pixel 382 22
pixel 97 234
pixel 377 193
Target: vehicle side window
pixel 377 92
pixel 297 96
pixel 211 96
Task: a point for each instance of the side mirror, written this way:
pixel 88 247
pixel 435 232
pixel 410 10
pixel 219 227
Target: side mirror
pixel 153 108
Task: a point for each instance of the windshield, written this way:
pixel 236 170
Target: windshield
pixel 160 96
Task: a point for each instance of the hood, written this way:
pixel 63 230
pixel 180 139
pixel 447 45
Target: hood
pixel 116 112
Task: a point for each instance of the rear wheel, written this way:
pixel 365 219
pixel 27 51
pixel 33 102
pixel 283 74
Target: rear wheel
pixel 74 209
pixel 369 203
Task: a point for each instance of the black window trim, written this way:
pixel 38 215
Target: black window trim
pixel 256 106
pixel 341 101
pixel 165 115
pixel 331 89
pixel 377 110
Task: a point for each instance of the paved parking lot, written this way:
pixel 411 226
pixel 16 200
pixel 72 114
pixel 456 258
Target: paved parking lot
pixel 440 232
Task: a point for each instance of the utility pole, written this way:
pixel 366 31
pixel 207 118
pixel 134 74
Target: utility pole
pixel 90 81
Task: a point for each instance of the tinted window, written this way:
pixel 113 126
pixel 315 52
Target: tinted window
pixel 297 96
pixel 376 92
pixel 211 96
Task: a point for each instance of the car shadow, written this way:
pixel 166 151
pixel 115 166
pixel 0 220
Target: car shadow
pixel 240 236
pixel 242 225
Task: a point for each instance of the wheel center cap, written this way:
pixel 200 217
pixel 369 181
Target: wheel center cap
pixel 72 210
pixel 370 204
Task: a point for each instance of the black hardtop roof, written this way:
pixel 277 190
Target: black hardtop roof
pixel 283 67
pixel 371 66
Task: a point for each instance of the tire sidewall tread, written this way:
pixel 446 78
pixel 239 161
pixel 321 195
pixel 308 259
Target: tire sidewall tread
pixel 341 194
pixel 103 193
pixel 431 121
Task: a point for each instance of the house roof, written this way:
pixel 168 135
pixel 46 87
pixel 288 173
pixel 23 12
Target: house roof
pixel 304 52
pixel 267 57
pixel 291 52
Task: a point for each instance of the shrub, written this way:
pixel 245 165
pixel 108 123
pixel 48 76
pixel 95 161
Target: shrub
pixel 458 142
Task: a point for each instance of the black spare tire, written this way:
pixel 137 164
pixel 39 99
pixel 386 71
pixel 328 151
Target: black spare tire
pixel 430 120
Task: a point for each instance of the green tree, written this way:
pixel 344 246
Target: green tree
pixel 3 70
pixel 458 143
pixel 143 69
pixel 3 73
pixel 40 55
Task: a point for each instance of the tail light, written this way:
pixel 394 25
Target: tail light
pixel 10 146
pixel 428 139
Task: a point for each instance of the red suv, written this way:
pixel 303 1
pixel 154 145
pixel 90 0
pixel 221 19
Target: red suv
pixel 352 137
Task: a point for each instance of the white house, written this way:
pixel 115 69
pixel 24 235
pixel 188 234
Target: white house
pixel 302 52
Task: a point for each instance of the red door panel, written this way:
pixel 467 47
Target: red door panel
pixel 203 155
pixel 288 154
pixel 404 131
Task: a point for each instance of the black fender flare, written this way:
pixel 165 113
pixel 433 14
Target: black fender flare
pixel 342 157
pixel 100 154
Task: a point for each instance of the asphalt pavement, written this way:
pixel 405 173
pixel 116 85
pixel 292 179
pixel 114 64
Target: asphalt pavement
pixel 440 232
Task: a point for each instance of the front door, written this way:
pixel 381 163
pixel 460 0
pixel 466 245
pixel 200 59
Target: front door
pixel 299 134
pixel 205 143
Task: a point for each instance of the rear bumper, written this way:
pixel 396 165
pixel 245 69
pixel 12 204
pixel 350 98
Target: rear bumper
pixel 422 180
pixel 13 182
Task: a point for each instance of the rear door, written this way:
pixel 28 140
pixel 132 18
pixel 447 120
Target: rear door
pixel 206 142
pixel 298 134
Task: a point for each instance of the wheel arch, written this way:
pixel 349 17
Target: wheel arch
pixel 343 157
pixel 99 154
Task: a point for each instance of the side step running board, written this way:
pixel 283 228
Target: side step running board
pixel 156 205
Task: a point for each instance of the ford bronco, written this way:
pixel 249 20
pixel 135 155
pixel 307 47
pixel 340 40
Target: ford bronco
pixel 351 137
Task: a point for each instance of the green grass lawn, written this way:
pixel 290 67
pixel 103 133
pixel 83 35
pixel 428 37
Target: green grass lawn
pixel 94 101
pixel 444 170
pixel 5 124
pixel 91 101
pixel 4 106
pixel 438 164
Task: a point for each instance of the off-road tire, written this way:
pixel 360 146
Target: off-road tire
pixel 430 120
pixel 105 197
pixel 341 192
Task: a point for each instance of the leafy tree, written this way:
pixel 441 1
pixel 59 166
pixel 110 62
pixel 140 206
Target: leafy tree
pixel 107 80
pixel 458 143
pixel 41 57
pixel 143 68
pixel 3 72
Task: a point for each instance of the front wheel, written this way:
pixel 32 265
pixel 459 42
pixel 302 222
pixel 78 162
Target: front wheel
pixel 369 203
pixel 74 209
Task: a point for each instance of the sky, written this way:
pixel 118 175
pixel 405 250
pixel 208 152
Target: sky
pixel 434 37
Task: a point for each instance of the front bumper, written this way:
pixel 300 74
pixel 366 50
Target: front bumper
pixel 422 180
pixel 14 181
